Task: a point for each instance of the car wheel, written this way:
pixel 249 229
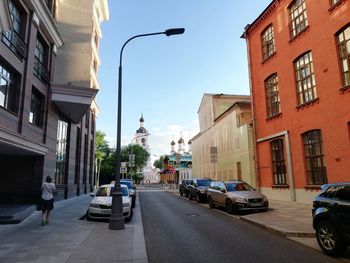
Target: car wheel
pixel 189 196
pixel 229 206
pixel 329 239
pixel 130 216
pixel 181 194
pixel 211 204
pixel 87 215
pixel 198 198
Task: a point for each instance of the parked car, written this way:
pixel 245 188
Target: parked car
pixel 331 218
pixel 198 189
pixel 236 196
pixel 183 188
pixel 101 205
pixel 132 189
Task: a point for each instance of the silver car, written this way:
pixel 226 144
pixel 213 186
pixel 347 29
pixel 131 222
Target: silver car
pixel 236 196
pixel 101 205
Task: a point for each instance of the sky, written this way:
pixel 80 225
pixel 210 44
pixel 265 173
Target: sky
pixel 164 78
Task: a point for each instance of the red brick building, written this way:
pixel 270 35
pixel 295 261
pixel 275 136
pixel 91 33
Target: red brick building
pixel 299 65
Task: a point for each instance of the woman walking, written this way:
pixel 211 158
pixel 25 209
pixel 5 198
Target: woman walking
pixel 47 190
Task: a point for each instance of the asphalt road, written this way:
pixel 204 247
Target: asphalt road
pixel 179 230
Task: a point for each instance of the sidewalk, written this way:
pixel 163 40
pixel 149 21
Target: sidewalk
pixel 71 240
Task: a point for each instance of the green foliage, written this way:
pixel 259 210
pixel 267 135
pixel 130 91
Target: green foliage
pixel 141 156
pixel 159 163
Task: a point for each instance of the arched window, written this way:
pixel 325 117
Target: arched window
pixel 272 96
pixel 268 42
pixel 298 17
pixel 343 39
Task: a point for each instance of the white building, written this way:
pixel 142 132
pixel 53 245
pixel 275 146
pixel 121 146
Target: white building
pixel 150 174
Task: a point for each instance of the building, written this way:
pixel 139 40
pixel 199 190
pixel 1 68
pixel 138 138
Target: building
pixel 150 174
pixel 39 114
pixel 5 20
pixel 223 148
pixel 299 60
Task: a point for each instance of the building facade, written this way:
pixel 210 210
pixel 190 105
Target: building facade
pixel 299 60
pixel 39 118
pixel 223 149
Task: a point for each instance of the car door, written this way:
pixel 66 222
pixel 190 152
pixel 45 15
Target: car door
pixel 221 193
pixel 192 188
pixel 341 208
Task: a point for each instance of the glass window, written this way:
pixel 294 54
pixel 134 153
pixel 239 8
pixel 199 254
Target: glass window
pixel 314 157
pixel 9 91
pixel 343 193
pixel 40 50
pixel 298 17
pixel 268 42
pixel 102 191
pixel 203 182
pixel 329 192
pixel 344 52
pixel 278 163
pixel 272 96
pixel 239 186
pixel 36 114
pixel 61 147
pixel 305 78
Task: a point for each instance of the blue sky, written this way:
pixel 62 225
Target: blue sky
pixel 165 77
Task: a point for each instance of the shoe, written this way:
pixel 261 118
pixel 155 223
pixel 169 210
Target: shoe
pixel 46 222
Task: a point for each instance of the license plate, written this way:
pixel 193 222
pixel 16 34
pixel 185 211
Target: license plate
pixel 255 204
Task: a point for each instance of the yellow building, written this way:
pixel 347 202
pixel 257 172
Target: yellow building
pixel 223 149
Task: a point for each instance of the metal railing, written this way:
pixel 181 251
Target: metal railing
pixel 41 72
pixel 14 41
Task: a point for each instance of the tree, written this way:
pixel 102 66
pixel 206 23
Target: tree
pixel 101 152
pixel 141 159
pixel 159 163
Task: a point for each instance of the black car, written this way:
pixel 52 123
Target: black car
pixel 198 189
pixel 331 218
pixel 183 188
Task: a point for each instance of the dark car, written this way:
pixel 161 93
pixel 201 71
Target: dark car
pixel 331 218
pixel 198 189
pixel 183 188
pixel 130 184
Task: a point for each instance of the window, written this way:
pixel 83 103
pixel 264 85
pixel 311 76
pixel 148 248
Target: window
pixel 298 17
pixel 40 50
pixel 87 119
pixel 305 78
pixel 9 91
pixel 61 148
pixel 272 96
pixel 343 193
pixel 278 164
pixel 268 42
pixel 344 52
pixel 40 63
pixel 92 123
pixel 333 2
pixel 77 157
pixel 13 39
pixel 314 157
pixel 36 114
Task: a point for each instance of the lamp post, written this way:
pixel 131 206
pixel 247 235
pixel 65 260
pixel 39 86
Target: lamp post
pixel 116 221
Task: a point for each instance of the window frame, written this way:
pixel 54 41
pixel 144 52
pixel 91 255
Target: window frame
pixel 268 41
pixel 36 110
pixel 62 144
pixel 302 68
pixel 12 90
pixel 278 161
pixel 313 155
pixel 294 15
pixel 272 95
pixel 343 54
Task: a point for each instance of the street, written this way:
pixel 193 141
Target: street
pixel 178 230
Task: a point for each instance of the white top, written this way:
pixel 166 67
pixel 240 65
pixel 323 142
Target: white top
pixel 47 190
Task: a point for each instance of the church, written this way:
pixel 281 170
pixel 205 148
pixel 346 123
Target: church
pixel 150 174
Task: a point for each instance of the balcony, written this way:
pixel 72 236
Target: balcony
pixel 15 43
pixel 41 72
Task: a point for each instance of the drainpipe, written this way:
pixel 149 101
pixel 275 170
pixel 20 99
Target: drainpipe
pixel 289 159
pixel 254 122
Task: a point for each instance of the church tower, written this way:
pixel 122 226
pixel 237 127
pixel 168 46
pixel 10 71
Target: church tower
pixel 142 135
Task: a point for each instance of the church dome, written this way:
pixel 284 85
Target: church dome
pixel 172 142
pixel 141 130
pixel 180 140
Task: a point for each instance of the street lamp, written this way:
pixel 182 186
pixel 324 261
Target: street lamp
pixel 116 221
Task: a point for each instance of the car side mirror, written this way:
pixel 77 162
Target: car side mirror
pixel 223 190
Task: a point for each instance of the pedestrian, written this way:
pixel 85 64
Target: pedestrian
pixel 47 191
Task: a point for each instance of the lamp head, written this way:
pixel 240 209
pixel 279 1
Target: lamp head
pixel 174 31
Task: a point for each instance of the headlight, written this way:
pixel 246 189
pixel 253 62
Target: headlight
pixel 241 200
pixel 94 205
pixel 264 199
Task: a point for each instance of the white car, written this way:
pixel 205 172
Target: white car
pixel 101 205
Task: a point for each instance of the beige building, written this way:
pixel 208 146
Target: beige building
pixel 223 149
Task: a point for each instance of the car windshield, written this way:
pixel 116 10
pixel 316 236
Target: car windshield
pixel 127 183
pixel 239 186
pixel 124 191
pixel 103 191
pixel 203 182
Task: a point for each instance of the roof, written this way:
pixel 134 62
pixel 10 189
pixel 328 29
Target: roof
pixel 184 157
